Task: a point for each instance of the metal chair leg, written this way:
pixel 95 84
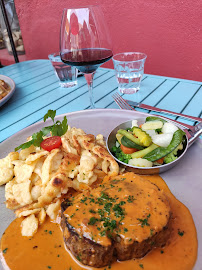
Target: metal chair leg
pixel 9 31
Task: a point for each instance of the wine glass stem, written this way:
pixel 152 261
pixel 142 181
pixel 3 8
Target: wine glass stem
pixel 89 79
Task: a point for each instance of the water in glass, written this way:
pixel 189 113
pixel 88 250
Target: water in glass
pixel 129 69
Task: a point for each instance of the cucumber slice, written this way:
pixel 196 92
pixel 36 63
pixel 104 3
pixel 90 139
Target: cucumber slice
pixel 140 162
pixel 128 143
pixel 154 118
pixel 142 153
pixel 144 138
pixel 163 151
pixel 119 137
pixel 129 136
pixel 152 125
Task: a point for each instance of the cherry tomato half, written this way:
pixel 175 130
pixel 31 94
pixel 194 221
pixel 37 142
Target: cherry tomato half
pixel 51 143
pixel 128 150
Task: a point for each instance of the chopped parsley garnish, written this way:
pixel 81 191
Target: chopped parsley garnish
pixel 50 232
pixel 99 201
pixel 105 196
pixel 122 203
pixel 141 265
pixel 113 224
pixel 108 210
pixel 83 200
pixel 144 222
pixel 92 211
pixel 162 251
pixel 180 233
pixel 92 221
pixel 5 250
pixel 78 258
pixel 101 213
pixel 130 199
pixel 119 212
pixel 103 233
pixel 92 238
pixel 49 267
pixel 108 207
pixel 115 180
pixel 92 200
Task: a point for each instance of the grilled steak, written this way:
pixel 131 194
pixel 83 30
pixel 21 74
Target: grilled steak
pixel 124 218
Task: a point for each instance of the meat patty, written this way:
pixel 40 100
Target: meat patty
pixel 123 218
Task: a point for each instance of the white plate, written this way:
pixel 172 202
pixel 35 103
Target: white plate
pixel 184 180
pixel 11 83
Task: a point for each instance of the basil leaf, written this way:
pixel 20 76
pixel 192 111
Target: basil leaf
pixel 50 114
pixel 37 138
pixel 46 130
pixel 64 125
pixel 57 130
pixel 24 145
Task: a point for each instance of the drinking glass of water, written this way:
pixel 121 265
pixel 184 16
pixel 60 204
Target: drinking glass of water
pixel 66 75
pixel 129 69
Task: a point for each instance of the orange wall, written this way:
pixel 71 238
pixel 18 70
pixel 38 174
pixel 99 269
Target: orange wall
pixel 168 31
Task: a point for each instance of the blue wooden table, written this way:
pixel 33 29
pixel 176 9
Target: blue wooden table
pixel 37 90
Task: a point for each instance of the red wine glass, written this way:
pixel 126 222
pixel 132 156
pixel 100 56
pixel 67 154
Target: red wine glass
pixel 85 41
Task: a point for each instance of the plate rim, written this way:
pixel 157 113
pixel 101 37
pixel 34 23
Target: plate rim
pixel 7 97
pixel 70 114
pixel 91 111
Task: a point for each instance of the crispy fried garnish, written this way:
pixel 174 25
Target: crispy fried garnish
pixel 104 154
pixel 38 179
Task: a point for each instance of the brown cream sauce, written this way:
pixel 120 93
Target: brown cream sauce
pixel 46 250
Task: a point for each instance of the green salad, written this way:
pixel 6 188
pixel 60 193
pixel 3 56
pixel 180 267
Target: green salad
pixel 154 143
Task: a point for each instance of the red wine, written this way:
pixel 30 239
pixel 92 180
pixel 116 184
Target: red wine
pixel 87 60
